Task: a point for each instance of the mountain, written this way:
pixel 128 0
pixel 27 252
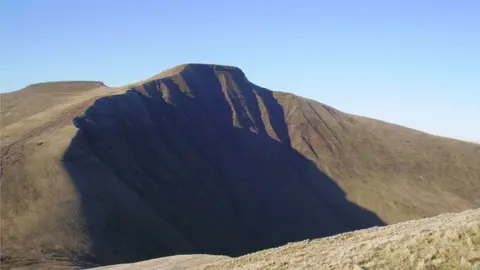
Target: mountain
pixel 198 159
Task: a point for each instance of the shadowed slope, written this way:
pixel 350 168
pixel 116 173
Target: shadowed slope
pixel 200 160
pixel 198 155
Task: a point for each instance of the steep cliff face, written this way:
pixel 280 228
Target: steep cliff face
pixel 210 154
pixel 200 160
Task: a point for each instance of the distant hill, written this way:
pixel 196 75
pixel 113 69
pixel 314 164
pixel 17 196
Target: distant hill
pixel 39 97
pixel 200 160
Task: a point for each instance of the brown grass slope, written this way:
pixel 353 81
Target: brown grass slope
pixel 39 97
pixel 447 241
pixel 200 160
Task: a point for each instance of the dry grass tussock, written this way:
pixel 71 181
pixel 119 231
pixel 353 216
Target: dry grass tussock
pixel 448 241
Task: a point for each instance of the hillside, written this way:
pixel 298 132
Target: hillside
pixel 200 160
pixel 447 241
pixel 36 98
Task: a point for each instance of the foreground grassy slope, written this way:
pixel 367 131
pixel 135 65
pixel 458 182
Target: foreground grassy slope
pixel 200 160
pixel 447 241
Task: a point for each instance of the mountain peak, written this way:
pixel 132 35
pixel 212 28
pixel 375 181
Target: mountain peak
pixel 195 68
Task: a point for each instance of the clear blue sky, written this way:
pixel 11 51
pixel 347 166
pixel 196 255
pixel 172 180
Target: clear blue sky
pixel 415 63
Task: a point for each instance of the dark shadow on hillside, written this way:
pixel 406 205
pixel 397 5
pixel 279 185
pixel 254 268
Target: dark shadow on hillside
pixel 160 179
